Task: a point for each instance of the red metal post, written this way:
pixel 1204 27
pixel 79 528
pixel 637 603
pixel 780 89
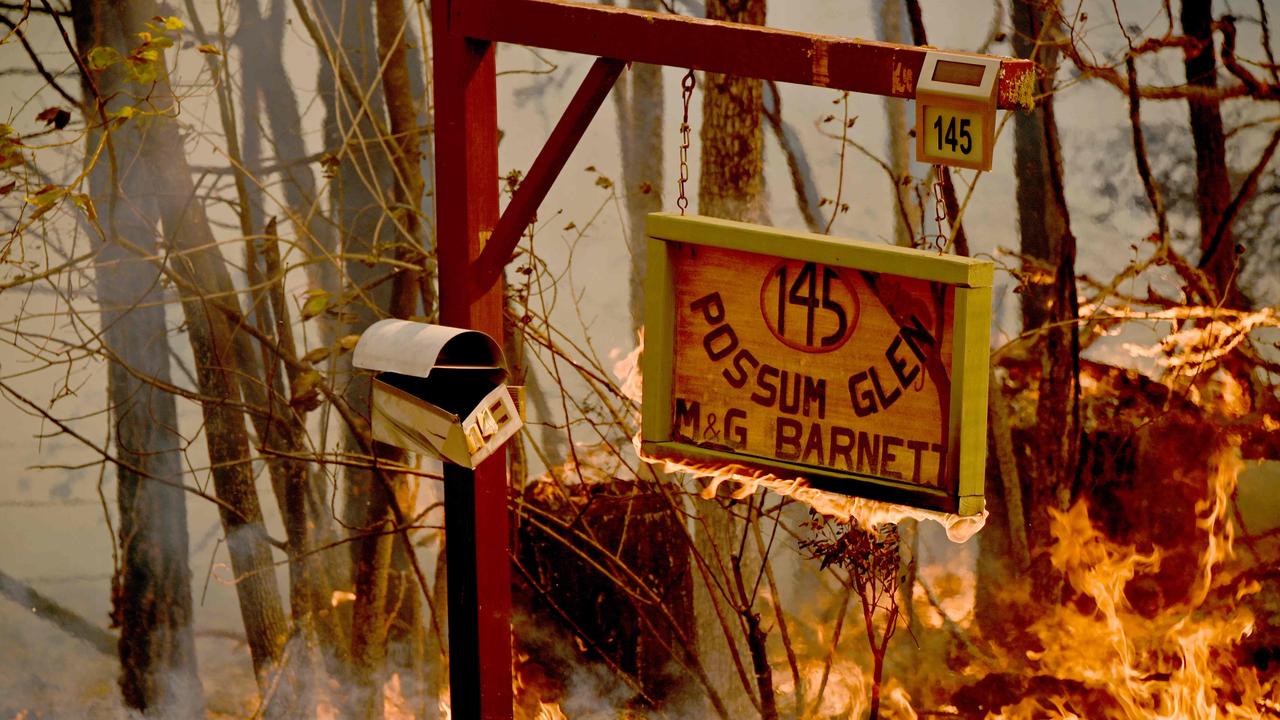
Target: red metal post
pixel 477 534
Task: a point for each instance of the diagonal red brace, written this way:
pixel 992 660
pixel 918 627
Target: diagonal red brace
pixel 488 267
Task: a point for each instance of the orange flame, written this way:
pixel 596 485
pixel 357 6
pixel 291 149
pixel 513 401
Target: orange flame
pixel 1176 665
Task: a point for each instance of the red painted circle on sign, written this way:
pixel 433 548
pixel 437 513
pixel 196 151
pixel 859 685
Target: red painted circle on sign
pixel 808 306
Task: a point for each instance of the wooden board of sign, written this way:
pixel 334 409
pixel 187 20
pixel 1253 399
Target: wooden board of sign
pixel 860 367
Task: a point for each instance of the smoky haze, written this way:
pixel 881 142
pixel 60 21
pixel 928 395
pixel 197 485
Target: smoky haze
pixel 58 501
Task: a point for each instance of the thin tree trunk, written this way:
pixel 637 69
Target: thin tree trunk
pixel 639 102
pixel 1049 300
pixel 267 93
pixel 406 640
pixel 1213 185
pixel 213 343
pixel 890 28
pixel 164 193
pixel 151 590
pixel 730 185
pixel 279 429
pixel 357 203
pixel 731 180
pixel 259 41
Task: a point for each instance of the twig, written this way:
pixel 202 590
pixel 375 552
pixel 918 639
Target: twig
pixel 1242 195
pixel 62 618
pixel 16 29
pixel 807 196
pixel 831 652
pixel 1140 154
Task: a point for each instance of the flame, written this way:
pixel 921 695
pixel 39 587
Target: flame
pixel 550 711
pixel 866 513
pixel 1177 665
pixel 394 706
pixel 1185 351
pixel 845 695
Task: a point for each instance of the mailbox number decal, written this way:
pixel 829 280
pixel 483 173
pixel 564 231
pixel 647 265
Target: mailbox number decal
pixel 808 306
pixel 953 134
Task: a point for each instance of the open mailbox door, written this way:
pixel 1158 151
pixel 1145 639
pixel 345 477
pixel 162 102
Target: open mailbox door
pixel 439 391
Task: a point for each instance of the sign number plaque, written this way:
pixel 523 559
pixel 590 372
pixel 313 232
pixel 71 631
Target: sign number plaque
pixel 859 367
pixel 955 110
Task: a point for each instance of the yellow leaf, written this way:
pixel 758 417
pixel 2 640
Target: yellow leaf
pixel 86 204
pixel 10 156
pixel 45 199
pixel 208 49
pixel 47 195
pixel 103 57
pixel 315 305
pixel 143 71
pixel 316 355
pixel 348 343
pixel 305 395
pixel 173 23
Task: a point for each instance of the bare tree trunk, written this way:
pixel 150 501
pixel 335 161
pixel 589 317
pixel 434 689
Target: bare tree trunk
pixel 1049 301
pixel 731 180
pixel 1213 186
pixel 730 185
pixel 278 427
pixel 262 50
pixel 406 639
pixel 265 92
pixel 375 222
pixel 213 342
pixel 890 29
pixel 162 191
pixel 151 590
pixel 638 101
pixel 361 171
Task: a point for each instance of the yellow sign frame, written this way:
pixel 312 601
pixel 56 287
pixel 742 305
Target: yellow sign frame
pixel 678 243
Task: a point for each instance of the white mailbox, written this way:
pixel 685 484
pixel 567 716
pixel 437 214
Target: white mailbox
pixel 439 391
pixel 956 110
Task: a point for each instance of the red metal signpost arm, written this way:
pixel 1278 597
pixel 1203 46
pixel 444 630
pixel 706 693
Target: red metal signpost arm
pixel 479 570
pixel 864 66
pixel 544 171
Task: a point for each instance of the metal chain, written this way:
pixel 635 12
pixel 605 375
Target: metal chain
pixel 937 239
pixel 939 207
pixel 686 86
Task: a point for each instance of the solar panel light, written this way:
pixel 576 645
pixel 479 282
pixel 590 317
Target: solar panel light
pixel 439 391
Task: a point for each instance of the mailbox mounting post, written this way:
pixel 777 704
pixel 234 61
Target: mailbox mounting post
pixel 473 245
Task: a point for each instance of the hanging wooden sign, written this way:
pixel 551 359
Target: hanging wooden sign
pixel 860 367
